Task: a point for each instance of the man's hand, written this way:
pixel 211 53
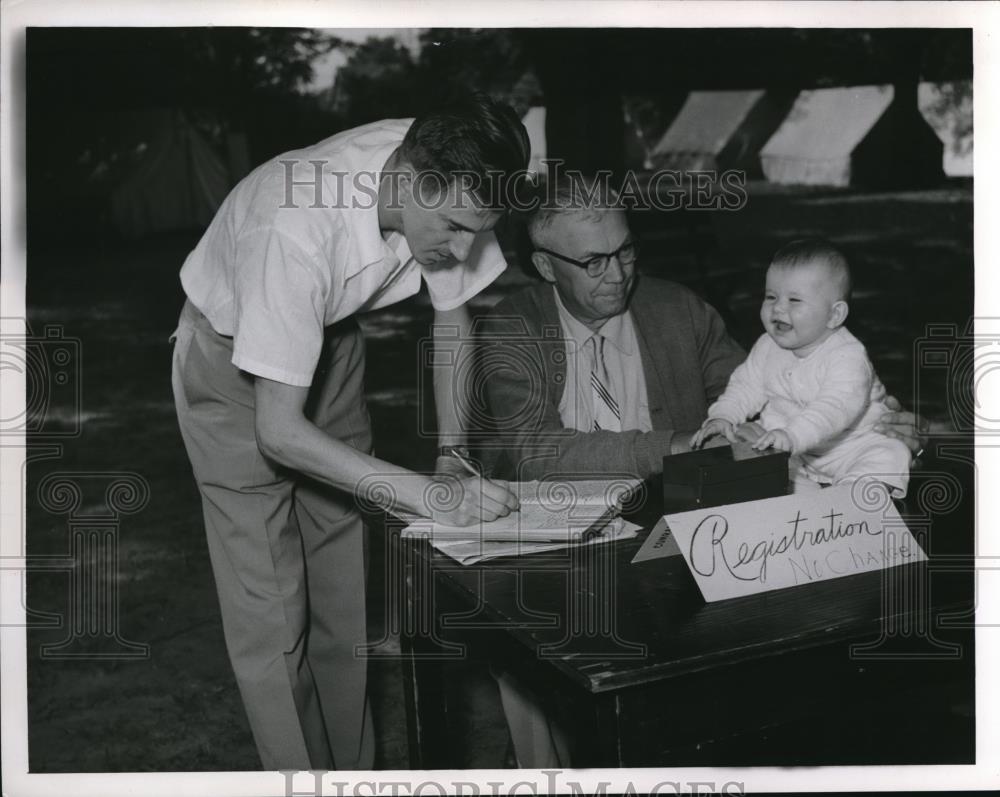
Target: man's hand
pixel 903 425
pixel 711 428
pixel 466 501
pixel 777 439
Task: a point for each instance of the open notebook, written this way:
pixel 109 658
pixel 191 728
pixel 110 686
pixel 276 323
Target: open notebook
pixel 470 552
pixel 551 511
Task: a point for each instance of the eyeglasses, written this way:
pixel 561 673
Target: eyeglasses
pixel 598 264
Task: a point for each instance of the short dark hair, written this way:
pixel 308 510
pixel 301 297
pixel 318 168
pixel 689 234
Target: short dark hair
pixel 807 251
pixel 474 136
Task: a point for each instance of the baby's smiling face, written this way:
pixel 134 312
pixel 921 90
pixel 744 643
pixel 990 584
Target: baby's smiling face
pixel 801 306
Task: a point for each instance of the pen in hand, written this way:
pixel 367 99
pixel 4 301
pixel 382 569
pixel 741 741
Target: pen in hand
pixel 466 464
pixel 475 472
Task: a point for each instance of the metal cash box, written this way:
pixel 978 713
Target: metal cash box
pixel 722 475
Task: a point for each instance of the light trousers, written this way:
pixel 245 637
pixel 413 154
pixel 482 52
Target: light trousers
pixel 287 553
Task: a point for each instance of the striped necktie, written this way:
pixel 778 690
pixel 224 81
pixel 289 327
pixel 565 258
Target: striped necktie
pixel 607 415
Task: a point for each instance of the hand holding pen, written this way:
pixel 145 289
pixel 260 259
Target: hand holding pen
pixel 481 499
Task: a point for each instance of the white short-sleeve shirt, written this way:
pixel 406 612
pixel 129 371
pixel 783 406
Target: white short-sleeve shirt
pixel 296 247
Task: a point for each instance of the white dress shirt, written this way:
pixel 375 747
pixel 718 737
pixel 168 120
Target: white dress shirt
pixel 624 366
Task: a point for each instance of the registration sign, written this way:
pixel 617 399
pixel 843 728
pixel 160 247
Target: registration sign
pixel 757 546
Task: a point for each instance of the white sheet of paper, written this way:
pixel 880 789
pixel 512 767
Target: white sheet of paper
pixel 471 552
pixel 757 546
pixel 551 511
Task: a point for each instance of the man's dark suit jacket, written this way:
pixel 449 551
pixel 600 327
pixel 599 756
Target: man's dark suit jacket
pixel 687 357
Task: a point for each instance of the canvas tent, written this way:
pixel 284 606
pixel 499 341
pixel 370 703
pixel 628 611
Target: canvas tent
pixel 947 107
pixel 534 123
pixel 177 182
pixel 719 130
pixel 852 135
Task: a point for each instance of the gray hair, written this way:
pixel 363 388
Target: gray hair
pixel 571 193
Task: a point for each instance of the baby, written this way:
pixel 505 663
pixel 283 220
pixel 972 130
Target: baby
pixel 810 379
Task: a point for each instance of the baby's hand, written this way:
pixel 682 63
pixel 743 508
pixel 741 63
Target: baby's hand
pixel 710 428
pixel 777 439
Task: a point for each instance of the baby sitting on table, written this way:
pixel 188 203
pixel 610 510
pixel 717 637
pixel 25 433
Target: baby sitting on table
pixel 810 379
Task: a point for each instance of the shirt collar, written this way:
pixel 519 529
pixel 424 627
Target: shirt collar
pixel 372 247
pixel 614 330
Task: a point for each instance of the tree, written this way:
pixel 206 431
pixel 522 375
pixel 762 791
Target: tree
pixel 454 61
pixel 88 80
pixel 377 82
pixel 382 78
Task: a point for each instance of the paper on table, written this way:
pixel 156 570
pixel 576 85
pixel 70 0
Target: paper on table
pixel 470 552
pixel 551 511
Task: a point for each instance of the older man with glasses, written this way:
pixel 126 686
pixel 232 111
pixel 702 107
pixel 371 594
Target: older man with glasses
pixel 627 370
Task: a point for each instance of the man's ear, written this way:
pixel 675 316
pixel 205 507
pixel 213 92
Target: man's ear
pixel 404 183
pixel 838 315
pixel 544 266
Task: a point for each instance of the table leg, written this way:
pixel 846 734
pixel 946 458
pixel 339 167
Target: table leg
pixel 424 655
pixel 426 705
pixel 602 745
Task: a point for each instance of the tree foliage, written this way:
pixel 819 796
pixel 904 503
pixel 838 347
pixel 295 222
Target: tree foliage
pixel 382 78
pixel 118 68
pixel 378 81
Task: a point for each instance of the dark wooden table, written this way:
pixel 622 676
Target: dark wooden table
pixel 872 668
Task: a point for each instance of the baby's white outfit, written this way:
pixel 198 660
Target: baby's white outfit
pixel 827 403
